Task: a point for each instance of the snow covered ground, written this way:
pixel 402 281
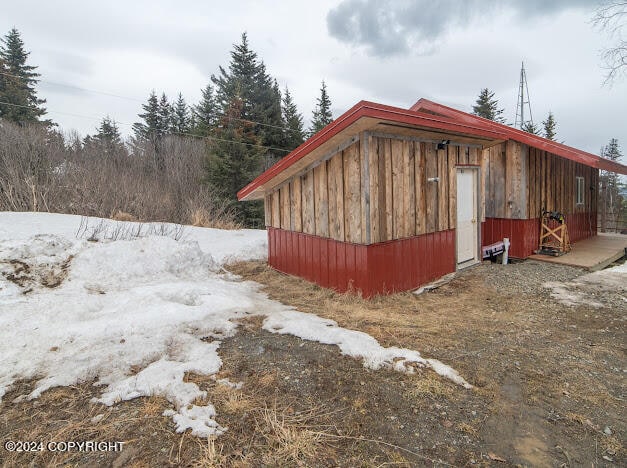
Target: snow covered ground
pixel 137 313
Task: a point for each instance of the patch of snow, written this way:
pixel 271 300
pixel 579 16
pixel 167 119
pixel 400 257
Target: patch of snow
pixel 581 290
pixel 355 344
pixel 136 315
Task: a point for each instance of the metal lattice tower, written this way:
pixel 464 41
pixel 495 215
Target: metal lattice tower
pixel 521 102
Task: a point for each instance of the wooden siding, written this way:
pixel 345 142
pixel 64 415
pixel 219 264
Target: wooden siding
pixel 384 188
pixel 520 181
pixel 375 190
pixel 552 184
pixel 504 183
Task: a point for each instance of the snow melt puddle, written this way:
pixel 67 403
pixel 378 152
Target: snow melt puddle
pixel 155 304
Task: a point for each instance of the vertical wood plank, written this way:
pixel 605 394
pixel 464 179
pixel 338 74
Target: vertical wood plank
pixel 321 204
pixel 499 181
pixel 276 210
pixel 549 182
pixel 420 185
pixel 352 194
pixel 409 190
pixel 381 208
pixel 473 155
pixel 389 199
pixel 364 161
pixel 397 189
pixel 431 188
pixel 510 178
pixel 443 200
pixel 332 188
pixel 309 223
pixel 466 158
pixel 375 199
pixel 296 200
pixel 533 186
pixel 523 181
pixel 284 195
pixel 336 197
pixel 485 175
pixel 267 209
pixel 453 152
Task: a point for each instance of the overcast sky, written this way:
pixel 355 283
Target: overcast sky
pixel 388 51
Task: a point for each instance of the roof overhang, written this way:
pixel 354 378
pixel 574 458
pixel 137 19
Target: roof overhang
pixel 536 141
pixel 367 117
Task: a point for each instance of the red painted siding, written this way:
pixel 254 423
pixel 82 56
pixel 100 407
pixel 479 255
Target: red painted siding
pixel 379 268
pixel 524 234
pixel 581 226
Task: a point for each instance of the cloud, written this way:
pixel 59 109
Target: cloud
pixel 392 27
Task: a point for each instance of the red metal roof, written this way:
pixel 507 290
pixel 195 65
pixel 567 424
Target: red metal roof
pixel 377 111
pixel 536 141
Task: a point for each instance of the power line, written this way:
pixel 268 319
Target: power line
pixel 170 132
pixel 104 93
pixel 56 83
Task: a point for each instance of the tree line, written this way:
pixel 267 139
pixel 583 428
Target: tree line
pixel 244 119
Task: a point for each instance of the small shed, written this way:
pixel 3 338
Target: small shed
pixel 386 199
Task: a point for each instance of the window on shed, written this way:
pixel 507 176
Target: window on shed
pixel 580 191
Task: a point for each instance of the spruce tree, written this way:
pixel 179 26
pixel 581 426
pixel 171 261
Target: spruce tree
pixel 181 120
pixel 166 114
pixel 107 140
pixel 240 80
pixel 150 127
pixel 205 112
pixel 530 127
pixel 234 160
pixel 294 131
pixel 487 106
pixel 18 83
pixel 248 102
pixel 269 113
pixel 550 127
pixel 246 79
pixel 322 113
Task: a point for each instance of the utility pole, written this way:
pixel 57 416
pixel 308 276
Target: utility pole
pixel 521 102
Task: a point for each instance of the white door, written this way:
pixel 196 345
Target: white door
pixel 467 226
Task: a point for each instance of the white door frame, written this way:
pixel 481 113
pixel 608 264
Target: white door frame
pixel 477 217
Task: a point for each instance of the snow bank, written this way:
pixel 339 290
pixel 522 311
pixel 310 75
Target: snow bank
pixel 137 315
pixel 582 290
pixel 224 246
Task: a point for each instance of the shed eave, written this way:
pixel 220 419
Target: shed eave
pixel 361 117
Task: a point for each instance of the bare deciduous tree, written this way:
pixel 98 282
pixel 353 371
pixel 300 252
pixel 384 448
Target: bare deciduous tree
pixel 44 172
pixel 611 16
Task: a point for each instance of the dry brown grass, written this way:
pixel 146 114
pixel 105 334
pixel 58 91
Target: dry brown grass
pixel 292 440
pixel 425 322
pixel 210 456
pixel 429 385
pixel 201 217
pixel 612 446
pixel 468 429
pixel 123 216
